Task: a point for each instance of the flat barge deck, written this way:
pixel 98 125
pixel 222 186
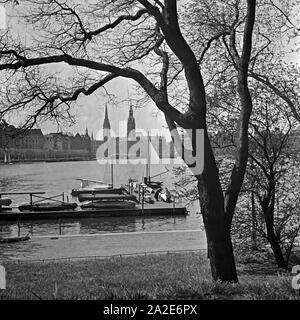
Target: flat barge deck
pixel 156 209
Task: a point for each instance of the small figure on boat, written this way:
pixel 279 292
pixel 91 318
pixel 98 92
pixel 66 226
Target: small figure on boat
pixel 163 194
pixel 157 192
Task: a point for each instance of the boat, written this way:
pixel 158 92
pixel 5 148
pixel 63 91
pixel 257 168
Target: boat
pixel 148 198
pixel 149 186
pixel 106 197
pixel 100 195
pixel 109 204
pixel 76 193
pixel 5 202
pixel 91 186
pixel 48 206
pixel 14 239
pixel 155 184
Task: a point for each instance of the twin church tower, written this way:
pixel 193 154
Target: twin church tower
pixel 163 148
pixel 130 125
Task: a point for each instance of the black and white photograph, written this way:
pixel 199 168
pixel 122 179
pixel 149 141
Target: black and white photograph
pixel 149 151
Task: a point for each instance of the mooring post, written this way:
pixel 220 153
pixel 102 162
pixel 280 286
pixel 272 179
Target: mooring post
pixel 59 222
pixel 139 193
pixel 130 186
pixel 143 201
pixel 174 209
pixel 30 199
pixel 174 205
pixel 63 197
pixel 19 229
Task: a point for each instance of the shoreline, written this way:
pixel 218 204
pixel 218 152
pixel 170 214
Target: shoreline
pixel 46 161
pixel 103 245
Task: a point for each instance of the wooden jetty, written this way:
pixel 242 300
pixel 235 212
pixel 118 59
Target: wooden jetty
pixel 155 209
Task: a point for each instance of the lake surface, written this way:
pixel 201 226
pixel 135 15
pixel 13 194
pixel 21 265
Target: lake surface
pixel 55 178
pixel 91 237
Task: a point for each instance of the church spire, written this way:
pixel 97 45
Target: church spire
pixel 131 124
pixel 106 123
pixel 130 111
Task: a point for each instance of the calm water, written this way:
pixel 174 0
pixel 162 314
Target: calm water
pixel 55 178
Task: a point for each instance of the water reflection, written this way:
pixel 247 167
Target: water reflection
pixel 98 225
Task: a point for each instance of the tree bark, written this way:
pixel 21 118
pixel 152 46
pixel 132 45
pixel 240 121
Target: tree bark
pixel 268 206
pixel 281 263
pixel 273 239
pixel 216 224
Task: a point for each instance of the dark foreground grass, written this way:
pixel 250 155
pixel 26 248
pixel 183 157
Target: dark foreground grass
pixel 170 276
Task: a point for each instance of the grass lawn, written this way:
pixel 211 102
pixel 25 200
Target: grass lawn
pixel 169 276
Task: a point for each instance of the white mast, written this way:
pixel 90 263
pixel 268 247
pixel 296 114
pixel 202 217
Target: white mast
pixel 148 171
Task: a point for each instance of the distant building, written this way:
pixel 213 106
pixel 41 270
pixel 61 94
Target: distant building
pixel 33 139
pixel 11 137
pixel 57 141
pixel 33 145
pixel 6 134
pixel 81 142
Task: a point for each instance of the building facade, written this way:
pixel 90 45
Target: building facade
pixel 33 145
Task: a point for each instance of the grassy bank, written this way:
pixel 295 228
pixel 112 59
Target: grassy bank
pixel 171 276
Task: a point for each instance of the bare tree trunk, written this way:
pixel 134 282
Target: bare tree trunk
pixel 281 263
pixel 220 248
pixel 273 239
pixel 268 206
pixel 217 225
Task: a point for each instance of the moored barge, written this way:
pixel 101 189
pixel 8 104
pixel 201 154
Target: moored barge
pixel 140 209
